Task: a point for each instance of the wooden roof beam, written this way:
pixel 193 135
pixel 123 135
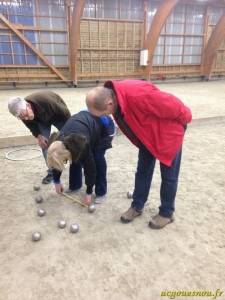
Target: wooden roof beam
pixel 74 37
pixel 162 13
pixel 216 2
pixel 21 36
pixel 214 42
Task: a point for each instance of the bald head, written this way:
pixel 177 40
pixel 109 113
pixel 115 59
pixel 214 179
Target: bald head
pixel 101 101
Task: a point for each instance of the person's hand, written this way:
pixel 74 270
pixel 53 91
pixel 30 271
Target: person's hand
pixel 87 199
pixel 58 188
pixel 42 141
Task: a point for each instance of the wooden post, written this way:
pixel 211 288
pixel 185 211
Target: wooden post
pixel 212 46
pixel 75 29
pixel 162 13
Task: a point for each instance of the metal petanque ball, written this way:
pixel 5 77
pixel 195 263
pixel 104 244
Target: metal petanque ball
pixel 41 212
pixel 37 187
pixel 62 224
pixel 74 228
pixel 91 208
pixel 36 236
pixel 39 199
pixel 129 194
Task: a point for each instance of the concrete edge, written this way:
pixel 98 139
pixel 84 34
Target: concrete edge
pixel 15 141
pixel 207 120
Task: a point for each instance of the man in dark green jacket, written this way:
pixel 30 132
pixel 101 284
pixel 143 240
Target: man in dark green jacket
pixel 39 111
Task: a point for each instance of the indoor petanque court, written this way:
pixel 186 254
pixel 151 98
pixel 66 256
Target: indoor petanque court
pixel 54 247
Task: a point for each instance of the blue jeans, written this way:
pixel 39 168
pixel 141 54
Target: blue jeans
pixel 101 167
pixel 143 179
pixel 45 131
pixel 75 174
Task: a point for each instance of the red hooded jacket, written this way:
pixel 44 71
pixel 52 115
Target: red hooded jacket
pixel 155 117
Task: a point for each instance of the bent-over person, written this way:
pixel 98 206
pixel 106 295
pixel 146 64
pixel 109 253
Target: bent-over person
pixel 155 122
pixel 39 111
pixel 78 142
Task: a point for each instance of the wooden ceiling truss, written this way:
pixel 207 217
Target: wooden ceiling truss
pixel 21 36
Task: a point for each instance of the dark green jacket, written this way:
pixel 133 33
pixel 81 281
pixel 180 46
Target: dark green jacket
pixel 49 109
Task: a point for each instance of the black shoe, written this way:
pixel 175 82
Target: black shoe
pixel 48 179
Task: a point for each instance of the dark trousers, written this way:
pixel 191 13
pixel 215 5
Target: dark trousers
pixel 45 131
pixel 143 179
pixel 75 174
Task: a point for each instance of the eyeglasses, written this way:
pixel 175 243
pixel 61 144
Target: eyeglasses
pixel 25 116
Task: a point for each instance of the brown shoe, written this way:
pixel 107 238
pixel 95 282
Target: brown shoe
pixel 158 222
pixel 129 215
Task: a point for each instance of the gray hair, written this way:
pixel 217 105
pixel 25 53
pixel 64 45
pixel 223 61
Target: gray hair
pixel 15 104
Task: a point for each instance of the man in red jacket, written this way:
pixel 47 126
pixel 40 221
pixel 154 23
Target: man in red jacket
pixel 155 122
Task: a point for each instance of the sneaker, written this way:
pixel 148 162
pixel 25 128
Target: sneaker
pixel 158 222
pixel 99 199
pixel 48 179
pixel 129 215
pixel 70 191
